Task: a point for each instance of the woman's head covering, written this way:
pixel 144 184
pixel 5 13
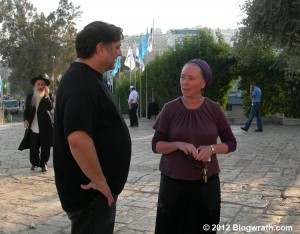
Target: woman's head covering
pixel 206 71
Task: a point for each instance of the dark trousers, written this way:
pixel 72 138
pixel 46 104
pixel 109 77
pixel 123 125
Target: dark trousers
pixel 37 158
pixel 188 207
pixel 95 218
pixel 133 115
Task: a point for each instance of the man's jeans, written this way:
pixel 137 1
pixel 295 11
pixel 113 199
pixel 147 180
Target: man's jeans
pixel 97 217
pixel 254 112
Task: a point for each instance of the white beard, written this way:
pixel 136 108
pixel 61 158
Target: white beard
pixel 37 97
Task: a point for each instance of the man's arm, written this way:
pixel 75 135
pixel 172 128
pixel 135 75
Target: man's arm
pixel 49 99
pixel 84 152
pixel 253 93
pixel 130 101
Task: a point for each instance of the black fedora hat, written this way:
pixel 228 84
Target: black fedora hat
pixel 41 77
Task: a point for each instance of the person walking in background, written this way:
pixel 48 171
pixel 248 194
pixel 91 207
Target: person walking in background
pixel 38 119
pixel 152 109
pixel 255 95
pixel 8 116
pixel 186 133
pixel 92 145
pixel 133 106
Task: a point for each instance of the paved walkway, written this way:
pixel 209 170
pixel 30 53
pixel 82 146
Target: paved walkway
pixel 260 185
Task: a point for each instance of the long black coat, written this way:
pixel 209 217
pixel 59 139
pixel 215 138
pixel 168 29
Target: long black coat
pixel 44 118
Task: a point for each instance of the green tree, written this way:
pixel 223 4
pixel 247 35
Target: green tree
pixel 32 43
pixel 122 83
pixel 162 74
pixel 277 23
pixel 6 86
pixel 267 49
pixel 260 64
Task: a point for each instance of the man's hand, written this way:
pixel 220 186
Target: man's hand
pixel 26 124
pixel 46 91
pixel 104 189
pixel 84 152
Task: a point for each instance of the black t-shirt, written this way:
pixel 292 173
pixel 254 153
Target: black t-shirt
pixel 84 103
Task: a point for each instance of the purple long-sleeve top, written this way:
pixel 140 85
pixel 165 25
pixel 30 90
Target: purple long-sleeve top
pixel 201 126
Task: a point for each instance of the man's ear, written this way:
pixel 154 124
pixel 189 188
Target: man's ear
pixel 100 49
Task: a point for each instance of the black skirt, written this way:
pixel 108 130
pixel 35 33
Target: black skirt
pixel 188 207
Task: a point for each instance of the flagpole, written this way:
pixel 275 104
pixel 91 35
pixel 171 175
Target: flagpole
pixel 140 96
pixel 146 95
pixel 130 73
pixel 153 36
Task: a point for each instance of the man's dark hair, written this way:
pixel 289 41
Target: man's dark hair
pixel 94 33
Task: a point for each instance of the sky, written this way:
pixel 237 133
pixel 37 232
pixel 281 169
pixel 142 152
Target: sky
pixel 135 16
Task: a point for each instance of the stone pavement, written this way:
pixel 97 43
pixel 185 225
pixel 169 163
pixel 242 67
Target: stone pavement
pixel 260 185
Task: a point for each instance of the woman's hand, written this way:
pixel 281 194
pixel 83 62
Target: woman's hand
pixel 204 153
pixel 187 148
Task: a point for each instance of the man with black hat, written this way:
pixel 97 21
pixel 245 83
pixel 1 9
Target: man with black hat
pixel 37 118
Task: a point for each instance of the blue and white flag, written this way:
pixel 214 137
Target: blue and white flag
pixel 141 53
pixel 142 66
pixel 145 44
pixel 137 54
pixel 109 77
pixel 130 61
pixel 150 40
pixel 117 66
pixel 1 85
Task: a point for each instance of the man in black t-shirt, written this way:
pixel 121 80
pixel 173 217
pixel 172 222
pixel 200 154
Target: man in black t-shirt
pixel 92 145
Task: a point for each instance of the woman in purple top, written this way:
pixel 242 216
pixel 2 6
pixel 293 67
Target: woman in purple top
pixel 186 133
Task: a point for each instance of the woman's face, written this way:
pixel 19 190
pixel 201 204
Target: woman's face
pixel 191 80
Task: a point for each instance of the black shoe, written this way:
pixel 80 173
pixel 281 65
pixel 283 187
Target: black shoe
pixel 44 168
pixel 33 168
pixel 244 129
pixel 257 130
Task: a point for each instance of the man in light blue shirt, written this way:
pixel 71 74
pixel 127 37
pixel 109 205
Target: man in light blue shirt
pixel 255 95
